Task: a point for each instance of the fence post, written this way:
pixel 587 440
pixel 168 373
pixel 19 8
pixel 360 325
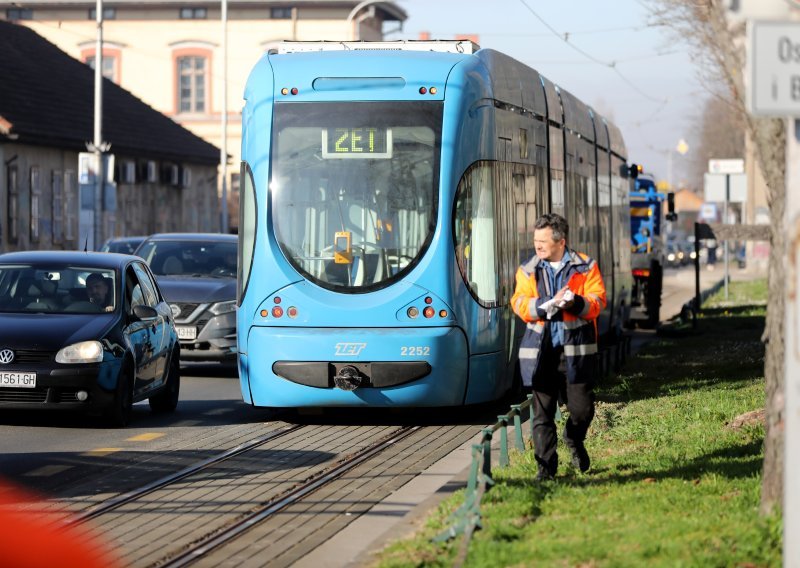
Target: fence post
pixel 503 420
pixel 518 442
pixel 487 451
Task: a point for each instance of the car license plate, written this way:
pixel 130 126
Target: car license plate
pixel 186 331
pixel 22 379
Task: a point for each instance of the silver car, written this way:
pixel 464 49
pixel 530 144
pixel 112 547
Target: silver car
pixel 197 275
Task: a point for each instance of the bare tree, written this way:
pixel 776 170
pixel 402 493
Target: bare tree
pixel 719 133
pixel 720 47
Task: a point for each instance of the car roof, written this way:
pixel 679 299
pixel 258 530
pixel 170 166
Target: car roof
pixel 107 260
pixel 217 237
pixel 126 239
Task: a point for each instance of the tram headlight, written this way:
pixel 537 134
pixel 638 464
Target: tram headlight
pixel 412 312
pixel 428 312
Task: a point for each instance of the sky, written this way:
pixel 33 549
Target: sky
pixel 653 92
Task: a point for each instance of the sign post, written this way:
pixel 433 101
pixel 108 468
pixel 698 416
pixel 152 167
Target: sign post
pixel 773 89
pixel 726 168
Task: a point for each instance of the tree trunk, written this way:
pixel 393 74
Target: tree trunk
pixel 770 142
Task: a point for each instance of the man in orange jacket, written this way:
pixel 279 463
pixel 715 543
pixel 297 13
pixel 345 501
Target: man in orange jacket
pixel 559 295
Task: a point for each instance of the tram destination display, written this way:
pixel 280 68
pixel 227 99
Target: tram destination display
pixel 369 142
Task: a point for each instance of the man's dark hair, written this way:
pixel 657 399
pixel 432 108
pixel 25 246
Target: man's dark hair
pixel 556 222
pixel 95 277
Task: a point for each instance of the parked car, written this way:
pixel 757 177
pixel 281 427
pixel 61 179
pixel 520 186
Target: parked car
pixel 197 273
pixel 85 331
pixel 124 245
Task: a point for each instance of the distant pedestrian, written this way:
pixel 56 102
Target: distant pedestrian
pixel 559 294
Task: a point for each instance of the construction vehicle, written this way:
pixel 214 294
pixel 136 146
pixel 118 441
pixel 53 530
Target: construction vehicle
pixel 648 247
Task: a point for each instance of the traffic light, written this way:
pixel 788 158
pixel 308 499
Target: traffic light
pixel 634 170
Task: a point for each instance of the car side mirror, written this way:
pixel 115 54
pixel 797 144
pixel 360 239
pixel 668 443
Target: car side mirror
pixel 143 312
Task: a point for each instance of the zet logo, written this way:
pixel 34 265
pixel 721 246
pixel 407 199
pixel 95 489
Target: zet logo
pixel 351 349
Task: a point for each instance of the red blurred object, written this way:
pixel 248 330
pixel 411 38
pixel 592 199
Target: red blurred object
pixel 34 539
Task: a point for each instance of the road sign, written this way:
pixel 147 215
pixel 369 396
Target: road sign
pixel 714 189
pixel 708 211
pixel 726 166
pixel 773 61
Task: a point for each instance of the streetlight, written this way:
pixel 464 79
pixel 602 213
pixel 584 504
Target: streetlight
pixel 223 158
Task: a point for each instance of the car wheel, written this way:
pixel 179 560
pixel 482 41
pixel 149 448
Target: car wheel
pixel 119 415
pixel 167 398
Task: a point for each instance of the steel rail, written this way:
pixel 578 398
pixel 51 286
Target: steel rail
pixel 122 499
pixel 214 540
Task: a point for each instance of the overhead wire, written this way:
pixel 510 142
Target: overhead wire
pixel 610 64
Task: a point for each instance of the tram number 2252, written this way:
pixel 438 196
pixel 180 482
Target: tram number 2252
pixel 407 351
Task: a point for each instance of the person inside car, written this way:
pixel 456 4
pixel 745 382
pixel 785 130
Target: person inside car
pixel 99 292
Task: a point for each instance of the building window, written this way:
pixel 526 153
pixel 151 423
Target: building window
pixel 280 13
pixel 193 13
pixel 19 14
pixel 57 184
pixel 109 65
pixel 13 203
pixel 192 78
pixel 70 204
pixel 36 193
pixel 108 14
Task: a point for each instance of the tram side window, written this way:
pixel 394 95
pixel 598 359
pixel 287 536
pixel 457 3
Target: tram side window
pixel 474 232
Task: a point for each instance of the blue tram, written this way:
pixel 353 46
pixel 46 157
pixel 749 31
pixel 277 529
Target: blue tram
pixel 389 192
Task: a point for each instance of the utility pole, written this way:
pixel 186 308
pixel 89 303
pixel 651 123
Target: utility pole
pixel 98 146
pixel 223 158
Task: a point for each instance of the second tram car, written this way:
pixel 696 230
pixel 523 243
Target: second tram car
pixel 389 192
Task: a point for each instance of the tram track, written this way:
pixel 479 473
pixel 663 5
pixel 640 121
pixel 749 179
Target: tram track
pixel 128 497
pixel 213 541
pixel 175 519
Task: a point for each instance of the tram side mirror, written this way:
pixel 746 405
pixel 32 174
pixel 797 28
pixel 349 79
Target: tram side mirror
pixel 671 215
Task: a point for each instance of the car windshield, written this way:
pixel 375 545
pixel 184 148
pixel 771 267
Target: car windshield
pixel 124 246
pixel 354 188
pixel 37 288
pixel 190 258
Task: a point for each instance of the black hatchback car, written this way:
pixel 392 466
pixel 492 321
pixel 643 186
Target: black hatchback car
pixel 85 331
pixel 197 273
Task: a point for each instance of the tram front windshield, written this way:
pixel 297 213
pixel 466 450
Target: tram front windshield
pixel 354 188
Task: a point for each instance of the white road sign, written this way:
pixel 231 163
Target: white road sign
pixel 726 166
pixel 773 61
pixel 714 187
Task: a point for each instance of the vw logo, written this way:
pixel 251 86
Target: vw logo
pixel 6 356
pixel 176 310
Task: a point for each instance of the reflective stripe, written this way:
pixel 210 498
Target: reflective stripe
pixel 518 304
pixel 586 307
pixel 576 350
pixel 538 326
pixel 528 353
pixel 532 308
pixel 575 324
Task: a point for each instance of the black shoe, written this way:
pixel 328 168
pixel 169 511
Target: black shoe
pixel 580 457
pixel 544 474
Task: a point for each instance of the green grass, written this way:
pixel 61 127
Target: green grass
pixel 671 484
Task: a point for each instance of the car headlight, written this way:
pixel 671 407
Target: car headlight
pixel 223 308
pixel 83 352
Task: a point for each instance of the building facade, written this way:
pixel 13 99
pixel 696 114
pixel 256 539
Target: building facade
pixel 171 54
pixel 161 177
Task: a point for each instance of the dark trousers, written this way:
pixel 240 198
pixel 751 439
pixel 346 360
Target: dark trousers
pixel 547 385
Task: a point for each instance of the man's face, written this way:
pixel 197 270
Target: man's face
pixel 546 248
pixel 97 291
